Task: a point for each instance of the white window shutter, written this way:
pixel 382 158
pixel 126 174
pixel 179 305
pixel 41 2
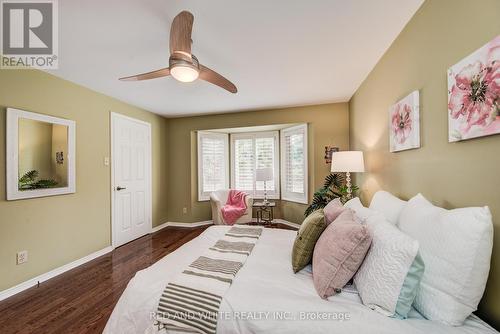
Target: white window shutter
pixel 294 182
pixel 244 169
pixel 249 152
pixel 213 161
pixel 265 149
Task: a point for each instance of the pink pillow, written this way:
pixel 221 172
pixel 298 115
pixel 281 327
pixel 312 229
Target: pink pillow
pixel 338 253
pixel 332 210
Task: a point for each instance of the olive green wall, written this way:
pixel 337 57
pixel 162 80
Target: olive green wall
pixel 328 125
pixel 440 34
pixel 35 145
pixel 59 229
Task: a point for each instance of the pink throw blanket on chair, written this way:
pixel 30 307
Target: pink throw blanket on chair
pixel 235 206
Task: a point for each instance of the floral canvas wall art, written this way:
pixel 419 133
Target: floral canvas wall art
pixel 473 94
pixel 404 127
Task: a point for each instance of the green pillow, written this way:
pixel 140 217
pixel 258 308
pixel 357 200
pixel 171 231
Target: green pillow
pixel 309 232
pixel 410 286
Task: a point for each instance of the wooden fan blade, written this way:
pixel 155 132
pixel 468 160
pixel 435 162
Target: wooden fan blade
pixel 216 79
pixel 149 75
pixel 180 33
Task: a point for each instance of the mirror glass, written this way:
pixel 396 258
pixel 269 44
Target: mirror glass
pixel 43 149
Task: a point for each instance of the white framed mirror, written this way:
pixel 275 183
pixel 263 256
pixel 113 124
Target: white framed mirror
pixel 40 155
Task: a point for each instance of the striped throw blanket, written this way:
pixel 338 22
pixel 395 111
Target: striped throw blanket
pixel 191 301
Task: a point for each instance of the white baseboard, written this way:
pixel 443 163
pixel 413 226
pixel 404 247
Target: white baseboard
pixel 53 273
pixel 210 222
pixel 179 224
pixel 280 221
pixel 286 222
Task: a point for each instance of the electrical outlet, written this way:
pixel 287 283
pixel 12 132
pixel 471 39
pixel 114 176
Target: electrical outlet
pixel 22 257
pixel 106 161
pixel 184 210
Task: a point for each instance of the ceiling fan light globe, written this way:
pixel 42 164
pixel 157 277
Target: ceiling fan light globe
pixel 184 73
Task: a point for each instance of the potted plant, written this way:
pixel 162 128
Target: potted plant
pixel 333 187
pixel 29 181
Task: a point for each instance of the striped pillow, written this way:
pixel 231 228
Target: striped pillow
pixel 308 234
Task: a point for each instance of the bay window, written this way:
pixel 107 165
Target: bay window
pixel 230 158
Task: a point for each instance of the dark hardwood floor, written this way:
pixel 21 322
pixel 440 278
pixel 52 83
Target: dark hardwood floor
pixel 82 299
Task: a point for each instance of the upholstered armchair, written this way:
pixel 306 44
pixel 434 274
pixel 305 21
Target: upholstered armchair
pixel 219 198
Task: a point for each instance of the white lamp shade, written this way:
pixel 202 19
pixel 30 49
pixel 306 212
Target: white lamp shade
pixel 348 161
pixel 264 174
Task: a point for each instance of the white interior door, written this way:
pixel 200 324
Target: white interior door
pixel 131 178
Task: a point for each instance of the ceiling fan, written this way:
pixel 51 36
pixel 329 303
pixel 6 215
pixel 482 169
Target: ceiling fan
pixel 183 65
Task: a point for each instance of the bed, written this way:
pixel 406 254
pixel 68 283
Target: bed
pixel 267 297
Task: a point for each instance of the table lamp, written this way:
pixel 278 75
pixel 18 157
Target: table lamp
pixel 348 162
pixel 264 174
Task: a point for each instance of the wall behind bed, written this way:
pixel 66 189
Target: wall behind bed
pixel 328 125
pixel 57 230
pixel 451 175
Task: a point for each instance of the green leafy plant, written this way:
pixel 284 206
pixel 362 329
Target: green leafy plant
pixel 29 181
pixel 329 191
pixel 333 187
pixel 343 191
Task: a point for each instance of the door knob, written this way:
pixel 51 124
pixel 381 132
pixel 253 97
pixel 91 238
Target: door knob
pixel 120 188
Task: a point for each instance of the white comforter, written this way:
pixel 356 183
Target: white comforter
pixel 267 297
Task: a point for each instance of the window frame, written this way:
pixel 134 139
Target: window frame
pixel 287 195
pixel 277 176
pixel 205 196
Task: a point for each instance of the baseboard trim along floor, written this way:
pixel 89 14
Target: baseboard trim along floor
pixel 57 271
pixel 179 224
pixel 287 223
pixel 210 222
pixel 53 273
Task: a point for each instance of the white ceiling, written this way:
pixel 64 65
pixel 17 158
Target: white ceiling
pixel 279 53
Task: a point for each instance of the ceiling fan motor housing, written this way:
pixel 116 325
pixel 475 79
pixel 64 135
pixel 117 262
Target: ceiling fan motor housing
pixel 184 68
pixel 181 60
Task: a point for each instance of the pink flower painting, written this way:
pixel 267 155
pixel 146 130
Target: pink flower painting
pixel 404 129
pixel 473 94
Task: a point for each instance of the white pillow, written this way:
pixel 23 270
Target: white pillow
pixel 361 211
pixel 387 204
pixel 380 278
pixel 455 246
